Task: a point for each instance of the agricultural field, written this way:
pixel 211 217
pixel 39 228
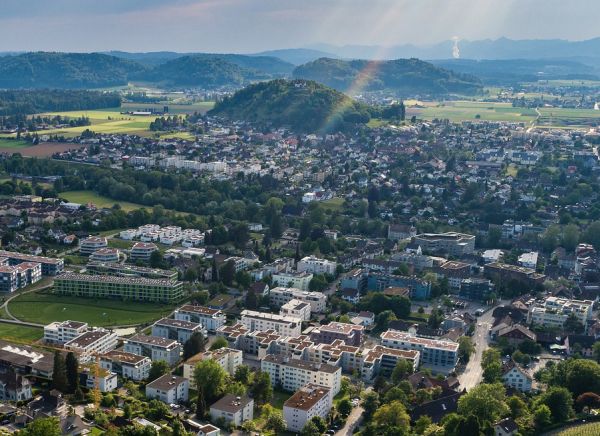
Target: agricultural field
pixel 8 145
pixel 458 111
pixel 84 197
pixel 20 333
pixel 581 430
pixel 174 108
pixel 44 308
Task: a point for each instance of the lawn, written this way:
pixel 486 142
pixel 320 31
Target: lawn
pixel 334 204
pixel 44 308
pixel 20 333
pixel 12 144
pixel 84 197
pixel 279 397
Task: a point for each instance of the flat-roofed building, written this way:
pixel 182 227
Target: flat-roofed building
pixel 291 374
pixel 528 260
pixel 127 365
pixel 155 348
pixel 298 280
pixel 8 279
pixel 350 334
pixel 126 270
pixel 142 251
pixel 554 312
pixel 104 379
pixel 284 325
pixel 504 272
pixel 233 409
pixel 50 266
pixel 211 319
pixel 169 389
pixel 438 355
pixel 176 329
pixel 296 308
pixel 455 244
pixel 314 265
pixel 309 401
pixel 381 360
pixel 227 358
pixel 106 254
pixel 280 295
pixel 97 341
pixel 116 287
pixel 92 243
pixel 64 331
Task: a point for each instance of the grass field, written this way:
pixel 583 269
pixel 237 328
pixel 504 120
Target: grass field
pixel 20 333
pixel 84 197
pixel 335 203
pixel 44 308
pixel 582 430
pixel 10 144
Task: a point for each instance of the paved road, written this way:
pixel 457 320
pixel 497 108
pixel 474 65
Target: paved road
pixel 473 372
pixel 354 419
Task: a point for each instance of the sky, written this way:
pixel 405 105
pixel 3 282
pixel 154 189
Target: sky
pixel 246 26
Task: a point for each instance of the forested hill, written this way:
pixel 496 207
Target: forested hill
pixel 24 102
pixel 302 105
pixel 65 70
pixel 408 76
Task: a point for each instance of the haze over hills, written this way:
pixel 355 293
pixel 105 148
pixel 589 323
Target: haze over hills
pixel 302 105
pixel 400 75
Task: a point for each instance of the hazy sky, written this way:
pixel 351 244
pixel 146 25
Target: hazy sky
pixel 254 25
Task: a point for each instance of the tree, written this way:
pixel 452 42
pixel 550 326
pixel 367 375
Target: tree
pixel 310 429
pixel 587 400
pixel 582 376
pixel 465 348
pixel 542 416
pixel 370 403
pixel 59 373
pixel 570 237
pixel 573 325
pixel 422 423
pixel 320 423
pixel 194 345
pixel 345 407
pixel 157 369
pixel 275 421
pixel 392 417
pixel 402 369
pixel 596 351
pixel 251 301
pixel 178 429
pixel 227 272
pixel 72 372
pixel 220 342
pixel 43 427
pixel 486 401
pixel 559 401
pixel 242 374
pixel 209 378
pixel 261 389
pixel 383 319
pixel 156 259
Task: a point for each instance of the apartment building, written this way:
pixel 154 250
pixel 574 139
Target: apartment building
pixel 438 355
pixel 176 329
pixel 155 348
pixel 309 401
pixel 381 360
pixel 280 295
pixel 169 389
pixel 92 243
pixel 455 272
pixel 398 232
pixel 528 260
pixel 8 279
pixel 142 251
pixel 59 333
pixel 516 377
pixel 210 319
pixel 98 341
pixel 227 358
pixel 291 374
pixel 105 380
pixel 127 365
pixel 50 266
pixel 284 325
pixel 455 244
pixel 117 287
pixel 315 265
pixel 350 334
pixel 503 272
pixel 554 311
pixel 297 309
pixel 298 280
pixel 233 409
pixel 419 289
pixel 127 270
pixel 105 255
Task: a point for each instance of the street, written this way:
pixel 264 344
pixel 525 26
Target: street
pixel 352 422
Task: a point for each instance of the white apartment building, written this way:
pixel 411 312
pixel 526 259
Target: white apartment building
pixel 176 329
pixel 528 260
pixel 61 332
pixel 93 243
pixel 234 410
pixel 309 401
pixel 315 265
pixel 296 308
pixel 284 325
pixel 107 381
pixel 210 319
pixel 170 389
pixel 127 365
pixel 438 355
pixel 292 374
pixel 455 244
pixel 142 251
pixel 554 311
pixel 227 358
pixel 280 295
pixel 298 280
pixel 155 348
pixel 98 341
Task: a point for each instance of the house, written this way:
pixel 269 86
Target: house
pixel 14 387
pixel 309 401
pixel 168 389
pixel 580 344
pixel 233 409
pixel 363 318
pixel 261 289
pixel 516 334
pixel 398 232
pixel 50 403
pixel 506 427
pixel 516 377
pixel 438 408
pixel 351 295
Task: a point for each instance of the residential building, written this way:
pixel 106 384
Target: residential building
pixel 14 387
pixel 210 319
pixel 419 289
pixel 170 389
pixel 455 272
pixel 284 325
pixel 298 280
pixel 92 243
pixel 582 345
pixel 315 265
pixel 455 244
pixel 475 289
pixel 116 287
pixel 176 329
pixel 279 296
pixel 50 266
pixel 355 279
pixel 350 334
pixel 227 358
pixel 381 360
pixel 25 360
pixel 8 279
pixel 297 309
pixel 92 342
pixel 233 409
pixel 61 332
pixel 142 251
pixel 105 255
pixel 528 260
pixel 398 232
pixel 127 365
pixel 90 378
pixel 516 334
pixel 438 355
pixel 292 374
pixel 516 377
pixel 127 270
pixel 309 401
pixel 503 272
pixel 506 427
pixel 554 311
pixel 155 348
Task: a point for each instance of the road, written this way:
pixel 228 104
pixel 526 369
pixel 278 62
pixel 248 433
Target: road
pixel 14 320
pixel 354 419
pixel 473 372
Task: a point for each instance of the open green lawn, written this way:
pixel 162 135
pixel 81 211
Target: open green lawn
pixel 44 308
pixel 84 197
pixel 12 144
pixel 20 333
pixel 279 397
pixel 335 203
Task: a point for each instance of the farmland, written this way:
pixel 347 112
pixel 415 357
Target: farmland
pixel 581 430
pixel 20 333
pixel 8 145
pixel 84 197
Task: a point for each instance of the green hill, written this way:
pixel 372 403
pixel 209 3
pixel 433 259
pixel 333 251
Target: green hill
pixel 64 70
pixel 405 76
pixel 302 105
